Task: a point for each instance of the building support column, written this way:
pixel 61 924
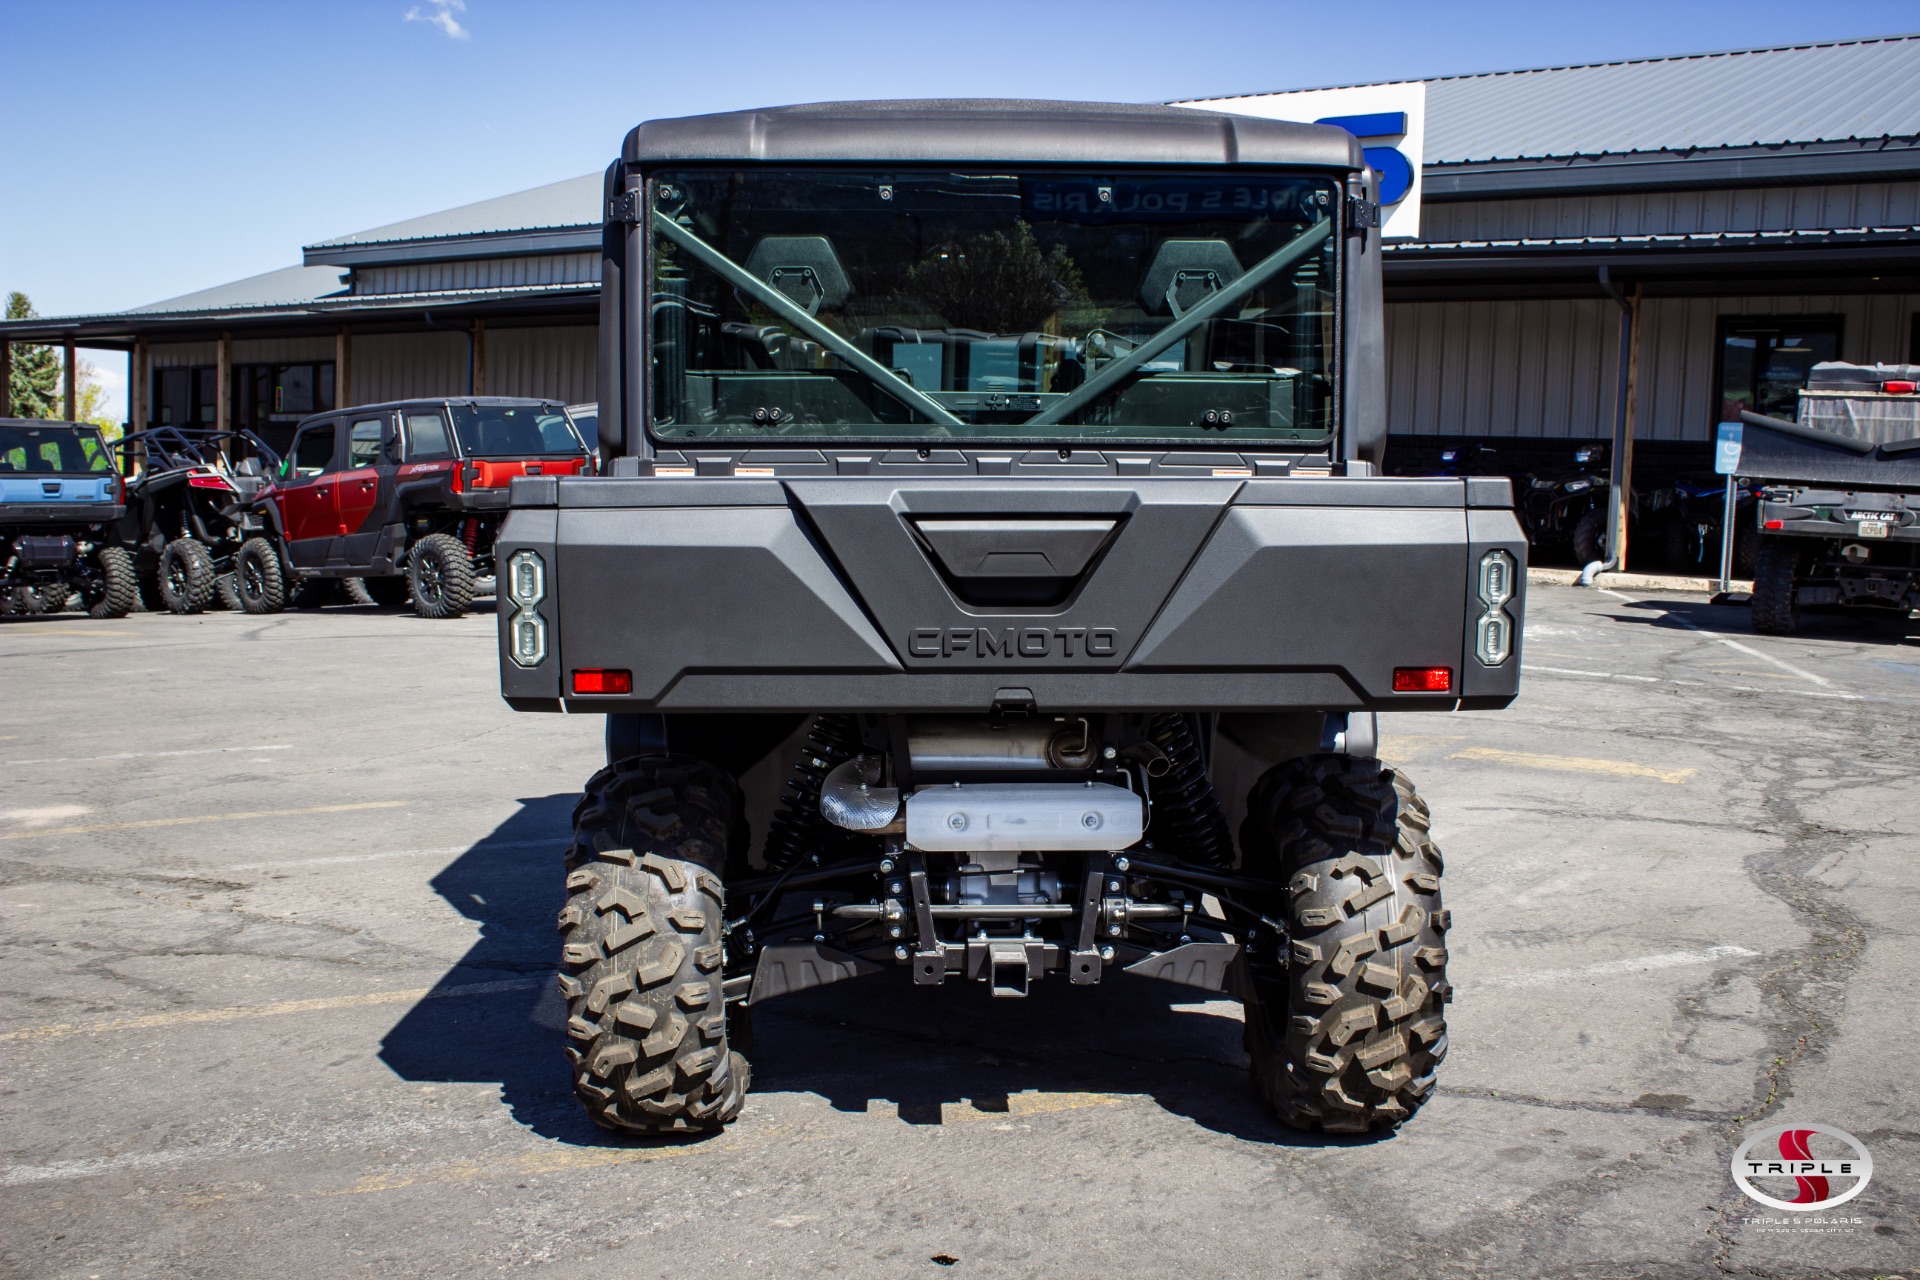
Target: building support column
pixel 342 368
pixel 223 387
pixel 137 402
pixel 1626 445
pixel 69 378
pixel 6 378
pixel 477 382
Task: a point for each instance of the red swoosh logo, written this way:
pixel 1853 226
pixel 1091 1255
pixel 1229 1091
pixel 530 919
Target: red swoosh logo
pixel 1793 1146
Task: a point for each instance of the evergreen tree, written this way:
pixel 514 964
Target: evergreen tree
pixel 36 390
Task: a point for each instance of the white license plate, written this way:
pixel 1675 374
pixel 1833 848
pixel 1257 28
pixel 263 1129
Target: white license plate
pixel 1873 528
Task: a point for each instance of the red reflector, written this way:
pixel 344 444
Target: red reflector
pixel 1776 524
pixel 1899 388
pixel 1422 679
pixel 602 680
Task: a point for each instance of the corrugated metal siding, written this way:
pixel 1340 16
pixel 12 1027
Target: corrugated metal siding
pixel 176 355
pixel 479 273
pixel 394 366
pixel 1832 207
pixel 550 361
pixel 181 355
pixel 1547 367
pixel 1860 89
pixel 1532 368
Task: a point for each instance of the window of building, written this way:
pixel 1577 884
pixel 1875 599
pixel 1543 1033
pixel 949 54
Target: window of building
pixel 265 396
pixel 1764 361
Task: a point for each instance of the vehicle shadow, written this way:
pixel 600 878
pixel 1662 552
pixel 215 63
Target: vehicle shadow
pixel 876 1045
pixel 1737 619
pixel 508 1029
pixel 882 1046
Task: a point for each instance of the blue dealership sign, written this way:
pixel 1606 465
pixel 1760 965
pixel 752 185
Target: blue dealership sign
pixel 1388 119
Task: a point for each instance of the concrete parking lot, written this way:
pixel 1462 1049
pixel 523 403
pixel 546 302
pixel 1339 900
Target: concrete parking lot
pixel 279 897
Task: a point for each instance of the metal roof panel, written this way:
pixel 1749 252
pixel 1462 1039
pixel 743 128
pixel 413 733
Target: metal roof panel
pixel 574 202
pixel 1807 93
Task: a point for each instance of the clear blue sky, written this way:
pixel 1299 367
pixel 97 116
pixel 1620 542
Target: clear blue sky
pixel 155 148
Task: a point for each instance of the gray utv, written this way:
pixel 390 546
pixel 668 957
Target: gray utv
pixel 993 579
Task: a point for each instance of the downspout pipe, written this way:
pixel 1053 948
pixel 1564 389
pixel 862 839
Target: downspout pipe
pixel 468 331
pixel 1617 456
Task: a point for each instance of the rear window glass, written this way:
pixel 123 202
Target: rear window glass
pixel 427 437
pixel 514 431
pixel 52 450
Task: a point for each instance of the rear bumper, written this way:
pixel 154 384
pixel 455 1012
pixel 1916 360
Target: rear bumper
pixel 727 594
pixel 39 516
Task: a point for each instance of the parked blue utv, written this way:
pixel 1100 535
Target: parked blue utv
pixel 59 498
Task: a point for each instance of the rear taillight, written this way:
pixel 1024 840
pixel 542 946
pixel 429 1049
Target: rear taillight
pixel 602 680
pixel 1422 679
pixel 1775 524
pixel 1899 388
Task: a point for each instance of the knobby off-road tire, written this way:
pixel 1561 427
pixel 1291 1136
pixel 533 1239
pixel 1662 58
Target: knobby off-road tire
pixel 641 954
pixel 1346 1029
pixel 1775 566
pixel 257 578
pixel 118 589
pixel 441 574
pixel 225 593
pixel 1590 537
pixel 186 576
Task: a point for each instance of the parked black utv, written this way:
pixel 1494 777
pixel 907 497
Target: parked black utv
pixel 995 582
pixel 190 507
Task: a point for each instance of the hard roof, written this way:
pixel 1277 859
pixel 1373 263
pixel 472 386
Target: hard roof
pixel 990 131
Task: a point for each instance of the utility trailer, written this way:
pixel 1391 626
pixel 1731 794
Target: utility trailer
pixel 993 580
pixel 1839 511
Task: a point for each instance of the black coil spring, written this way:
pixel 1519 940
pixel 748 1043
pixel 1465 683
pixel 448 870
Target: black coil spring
pixel 797 830
pixel 1187 821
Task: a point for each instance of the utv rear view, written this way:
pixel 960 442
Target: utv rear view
pixel 993 581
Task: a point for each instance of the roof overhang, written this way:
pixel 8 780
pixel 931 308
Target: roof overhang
pixel 490 244
pixel 370 314
pixel 1865 261
pixel 1786 164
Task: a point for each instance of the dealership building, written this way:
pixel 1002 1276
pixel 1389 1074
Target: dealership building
pixel 1698 230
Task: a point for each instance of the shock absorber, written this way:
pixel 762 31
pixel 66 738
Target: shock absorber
pixel 797 829
pixel 470 534
pixel 1187 821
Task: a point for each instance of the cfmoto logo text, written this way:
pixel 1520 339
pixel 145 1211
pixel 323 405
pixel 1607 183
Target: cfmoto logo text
pixel 1010 642
pixel 1822 1166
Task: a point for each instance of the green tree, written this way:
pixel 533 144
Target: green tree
pixel 35 389
pixel 998 283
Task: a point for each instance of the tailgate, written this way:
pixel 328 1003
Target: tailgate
pixel 726 594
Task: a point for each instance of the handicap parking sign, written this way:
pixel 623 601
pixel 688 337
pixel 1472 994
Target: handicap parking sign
pixel 1726 449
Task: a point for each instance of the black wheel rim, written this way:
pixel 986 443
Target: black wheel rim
pixel 433 578
pixel 177 578
pixel 252 581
